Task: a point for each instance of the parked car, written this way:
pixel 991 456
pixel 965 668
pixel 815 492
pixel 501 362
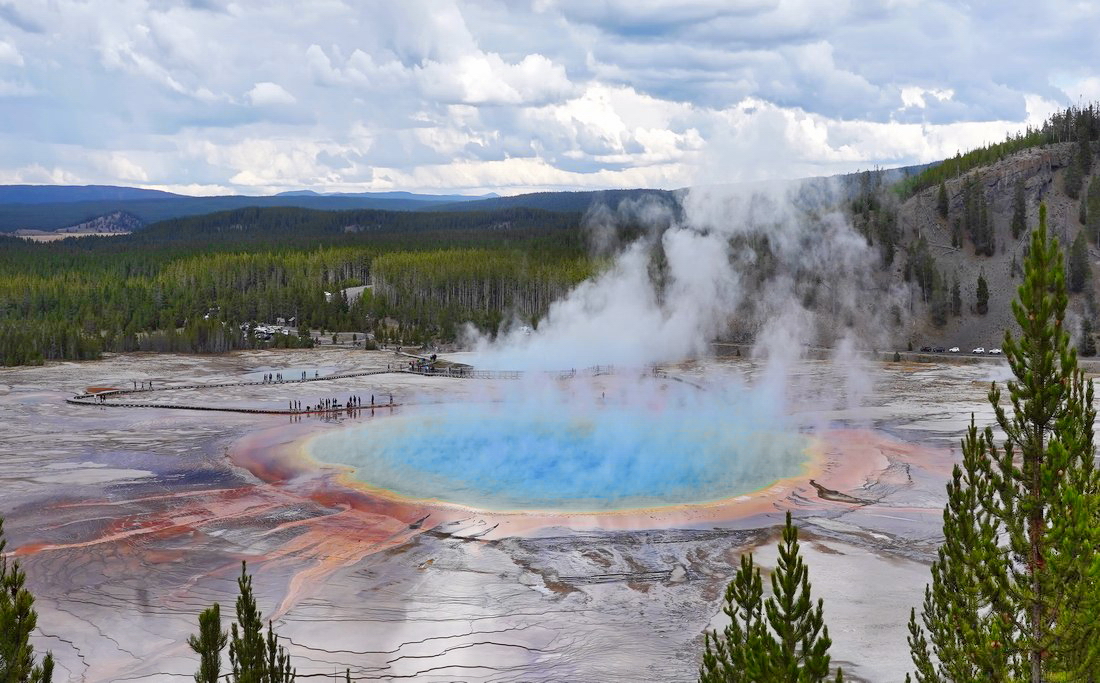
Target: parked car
pixel 994 352
pixel 980 349
pixel 953 349
pixel 938 349
pixel 925 349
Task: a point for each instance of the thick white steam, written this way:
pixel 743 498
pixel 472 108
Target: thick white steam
pixel 762 264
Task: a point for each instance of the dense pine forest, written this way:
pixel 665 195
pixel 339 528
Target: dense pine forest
pixel 189 284
pixel 1074 124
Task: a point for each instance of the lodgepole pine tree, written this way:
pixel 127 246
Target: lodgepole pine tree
pixel 740 654
pixel 1019 211
pixel 255 659
pixel 208 645
pixel 981 298
pixel 1073 178
pixel 17 620
pixel 783 638
pixel 1078 265
pixel 1015 591
pixel 278 661
pixel 1087 346
pixel 1092 210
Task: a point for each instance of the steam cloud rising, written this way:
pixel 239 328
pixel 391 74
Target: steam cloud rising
pixel 768 263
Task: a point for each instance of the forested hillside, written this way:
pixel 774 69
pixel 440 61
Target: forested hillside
pixel 444 288
pixel 189 284
pixel 963 228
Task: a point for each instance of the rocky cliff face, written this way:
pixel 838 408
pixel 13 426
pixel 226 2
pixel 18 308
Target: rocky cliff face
pixel 1041 170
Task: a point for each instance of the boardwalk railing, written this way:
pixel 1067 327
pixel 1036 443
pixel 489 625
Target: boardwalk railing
pixel 89 400
pixel 458 372
pixel 467 373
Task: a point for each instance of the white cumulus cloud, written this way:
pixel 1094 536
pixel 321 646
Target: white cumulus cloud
pixel 10 55
pixel 268 93
pixel 480 95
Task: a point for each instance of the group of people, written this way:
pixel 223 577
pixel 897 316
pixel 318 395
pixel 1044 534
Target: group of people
pixel 277 377
pixel 144 385
pixel 327 405
pixel 334 404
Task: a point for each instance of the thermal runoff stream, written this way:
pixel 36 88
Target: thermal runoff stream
pixel 576 449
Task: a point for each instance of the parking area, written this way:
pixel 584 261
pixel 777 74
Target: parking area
pixel 977 351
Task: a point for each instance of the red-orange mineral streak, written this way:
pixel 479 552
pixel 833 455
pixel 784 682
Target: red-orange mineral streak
pixel 350 523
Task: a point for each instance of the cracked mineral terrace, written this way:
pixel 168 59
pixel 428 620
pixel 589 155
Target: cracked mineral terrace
pixel 131 520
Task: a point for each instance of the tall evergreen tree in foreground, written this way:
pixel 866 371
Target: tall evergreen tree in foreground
pixel 246 650
pixel 208 645
pixel 783 638
pixel 1015 592
pixel 254 658
pixel 17 620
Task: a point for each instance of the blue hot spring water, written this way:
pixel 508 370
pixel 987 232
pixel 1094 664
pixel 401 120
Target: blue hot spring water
pixel 570 455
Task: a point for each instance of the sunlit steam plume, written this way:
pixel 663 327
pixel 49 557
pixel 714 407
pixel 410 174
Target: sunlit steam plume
pixel 775 265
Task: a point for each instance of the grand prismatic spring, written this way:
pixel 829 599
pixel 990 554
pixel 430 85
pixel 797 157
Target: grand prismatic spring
pixel 577 528
pixel 566 452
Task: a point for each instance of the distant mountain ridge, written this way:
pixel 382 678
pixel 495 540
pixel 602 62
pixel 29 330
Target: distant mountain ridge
pixel 447 198
pixel 53 215
pixel 63 194
pixel 51 207
pixel 580 200
pixel 151 208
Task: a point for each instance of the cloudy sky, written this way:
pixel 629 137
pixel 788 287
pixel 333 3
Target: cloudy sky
pixel 259 96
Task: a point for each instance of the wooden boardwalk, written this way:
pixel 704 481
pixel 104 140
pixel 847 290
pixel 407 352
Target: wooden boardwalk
pixel 99 397
pixel 94 398
pixel 353 410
